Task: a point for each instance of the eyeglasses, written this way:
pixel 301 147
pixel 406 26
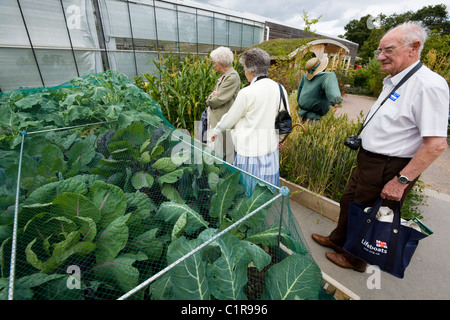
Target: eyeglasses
pixel 387 51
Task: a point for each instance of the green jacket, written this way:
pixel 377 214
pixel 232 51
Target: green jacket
pixel 315 96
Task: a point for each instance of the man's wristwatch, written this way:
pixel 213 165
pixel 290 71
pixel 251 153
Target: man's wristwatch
pixel 403 179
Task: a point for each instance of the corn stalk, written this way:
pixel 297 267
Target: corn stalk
pixel 181 86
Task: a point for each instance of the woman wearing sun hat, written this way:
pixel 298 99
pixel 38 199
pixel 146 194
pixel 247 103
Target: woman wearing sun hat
pixel 318 90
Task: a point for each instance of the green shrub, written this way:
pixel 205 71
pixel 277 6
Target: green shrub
pixel 367 80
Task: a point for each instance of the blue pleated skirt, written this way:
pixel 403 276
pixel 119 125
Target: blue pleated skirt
pixel 265 167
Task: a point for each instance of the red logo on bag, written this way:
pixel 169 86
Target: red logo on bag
pixel 381 244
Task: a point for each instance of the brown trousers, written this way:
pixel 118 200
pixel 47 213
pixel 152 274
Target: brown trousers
pixel 372 172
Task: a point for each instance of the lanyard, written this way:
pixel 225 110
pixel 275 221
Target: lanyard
pixel 406 77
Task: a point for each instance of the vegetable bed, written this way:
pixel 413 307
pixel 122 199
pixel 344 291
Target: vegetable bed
pixel 104 207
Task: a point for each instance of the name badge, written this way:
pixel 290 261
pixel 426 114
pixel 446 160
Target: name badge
pixel 394 96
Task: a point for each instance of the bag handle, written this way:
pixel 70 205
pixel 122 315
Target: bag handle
pixel 371 216
pixel 282 98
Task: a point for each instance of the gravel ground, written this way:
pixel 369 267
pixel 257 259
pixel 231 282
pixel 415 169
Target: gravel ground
pixel 437 176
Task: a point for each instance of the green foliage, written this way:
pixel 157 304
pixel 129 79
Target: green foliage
pixel 108 96
pixel 436 54
pixel 318 159
pixel 101 219
pixel 309 22
pixel 367 80
pixel 410 208
pixel 433 17
pixel 357 31
pixel 283 47
pixel 290 277
pixel 181 86
pixel 122 203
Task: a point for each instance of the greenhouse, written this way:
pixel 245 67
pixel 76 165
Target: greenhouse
pixel 81 37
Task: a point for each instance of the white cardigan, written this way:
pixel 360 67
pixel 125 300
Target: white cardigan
pixel 251 118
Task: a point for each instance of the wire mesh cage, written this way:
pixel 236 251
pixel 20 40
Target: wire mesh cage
pixel 132 208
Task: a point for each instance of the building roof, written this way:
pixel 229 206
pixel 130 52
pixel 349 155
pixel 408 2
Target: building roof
pixel 245 15
pixel 213 8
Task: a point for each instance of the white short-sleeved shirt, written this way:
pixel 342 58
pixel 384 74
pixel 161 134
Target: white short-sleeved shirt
pixel 419 108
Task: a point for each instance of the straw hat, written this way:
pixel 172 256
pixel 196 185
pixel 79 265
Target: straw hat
pixel 314 66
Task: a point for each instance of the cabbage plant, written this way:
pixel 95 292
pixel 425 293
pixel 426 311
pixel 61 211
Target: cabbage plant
pixel 114 204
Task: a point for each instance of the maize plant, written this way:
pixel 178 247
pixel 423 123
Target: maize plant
pixel 181 86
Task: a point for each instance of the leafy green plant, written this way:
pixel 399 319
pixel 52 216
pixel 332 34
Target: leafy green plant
pixel 107 96
pixel 90 220
pixel 415 199
pixel 181 86
pixel 121 202
pixel 367 80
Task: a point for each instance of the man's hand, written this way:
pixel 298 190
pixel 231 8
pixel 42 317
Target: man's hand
pixel 431 149
pixel 393 190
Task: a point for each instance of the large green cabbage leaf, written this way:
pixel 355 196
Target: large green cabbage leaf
pixel 296 277
pixel 189 277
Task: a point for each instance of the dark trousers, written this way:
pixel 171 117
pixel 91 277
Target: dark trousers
pixel 372 172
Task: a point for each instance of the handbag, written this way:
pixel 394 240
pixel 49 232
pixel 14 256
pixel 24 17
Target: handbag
pixel 388 245
pixel 203 126
pixel 283 120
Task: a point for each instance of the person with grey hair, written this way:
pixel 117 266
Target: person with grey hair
pixel 403 134
pixel 221 99
pixel 252 120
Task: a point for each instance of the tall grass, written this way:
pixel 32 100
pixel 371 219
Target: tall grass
pixel 317 159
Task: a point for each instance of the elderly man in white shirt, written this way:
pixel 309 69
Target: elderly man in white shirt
pixel 251 120
pixel 404 137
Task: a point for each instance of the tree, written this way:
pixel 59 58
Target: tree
pixel 434 18
pixel 309 22
pixel 371 44
pixel 357 31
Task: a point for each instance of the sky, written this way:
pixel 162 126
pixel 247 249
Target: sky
pixel 335 14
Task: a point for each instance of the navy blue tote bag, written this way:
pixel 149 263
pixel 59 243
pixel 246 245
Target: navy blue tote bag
pixel 388 245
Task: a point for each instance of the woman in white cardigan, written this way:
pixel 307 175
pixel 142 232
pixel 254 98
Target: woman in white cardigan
pixel 251 120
